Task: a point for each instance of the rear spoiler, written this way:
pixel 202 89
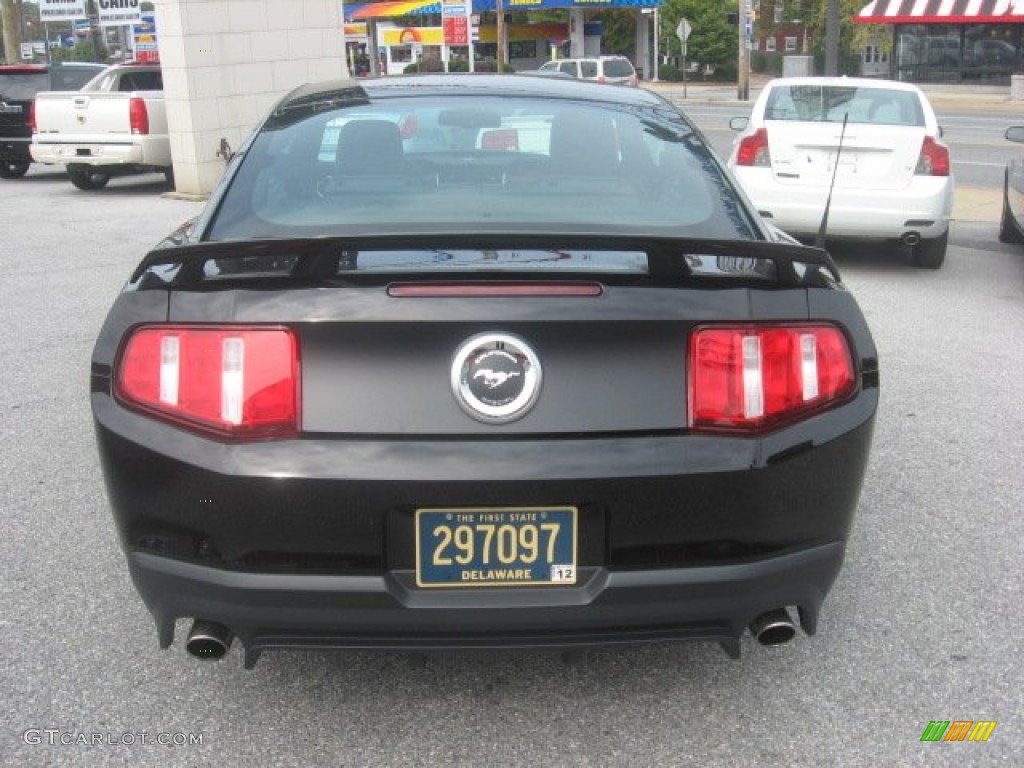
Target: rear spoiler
pixel 310 260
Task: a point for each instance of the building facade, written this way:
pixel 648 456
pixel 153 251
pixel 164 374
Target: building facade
pixel 951 41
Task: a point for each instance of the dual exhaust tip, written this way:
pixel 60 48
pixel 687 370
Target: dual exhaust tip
pixel 210 640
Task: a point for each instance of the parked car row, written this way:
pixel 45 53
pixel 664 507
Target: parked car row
pixel 870 149
pixel 97 121
pixel 19 86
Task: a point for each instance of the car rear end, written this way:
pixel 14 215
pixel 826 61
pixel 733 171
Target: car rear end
pixel 466 431
pixel 617 70
pixel 894 177
pixel 18 87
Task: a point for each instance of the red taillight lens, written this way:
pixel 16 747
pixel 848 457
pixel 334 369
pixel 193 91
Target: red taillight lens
pixel 934 158
pixel 238 382
pixel 753 149
pixel 138 116
pixel 32 116
pixel 754 378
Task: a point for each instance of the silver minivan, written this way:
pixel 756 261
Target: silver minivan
pixel 616 70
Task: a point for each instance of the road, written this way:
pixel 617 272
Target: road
pixel 924 623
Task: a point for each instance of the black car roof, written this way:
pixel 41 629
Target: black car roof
pixel 469 84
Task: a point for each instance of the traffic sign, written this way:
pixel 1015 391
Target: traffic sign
pixel 683 30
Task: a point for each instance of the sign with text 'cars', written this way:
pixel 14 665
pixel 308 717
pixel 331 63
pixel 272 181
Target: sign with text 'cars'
pixel 117 13
pixel 61 10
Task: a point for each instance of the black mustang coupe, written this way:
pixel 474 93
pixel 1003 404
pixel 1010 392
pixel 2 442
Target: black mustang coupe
pixel 481 361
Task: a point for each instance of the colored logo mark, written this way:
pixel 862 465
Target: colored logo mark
pixel 959 730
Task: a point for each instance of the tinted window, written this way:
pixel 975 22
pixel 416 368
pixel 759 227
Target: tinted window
pixel 141 81
pixel 881 106
pixel 569 67
pixel 465 164
pixel 618 68
pixel 22 86
pixel 71 78
pixel 588 69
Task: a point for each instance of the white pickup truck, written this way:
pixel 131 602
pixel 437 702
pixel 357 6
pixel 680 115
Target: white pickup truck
pixel 116 125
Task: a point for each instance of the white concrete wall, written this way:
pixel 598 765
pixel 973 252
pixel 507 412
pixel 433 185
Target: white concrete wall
pixel 226 62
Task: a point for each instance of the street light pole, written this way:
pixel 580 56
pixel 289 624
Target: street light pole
pixel 657 34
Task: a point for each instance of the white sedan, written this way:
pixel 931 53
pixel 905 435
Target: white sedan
pixel 874 143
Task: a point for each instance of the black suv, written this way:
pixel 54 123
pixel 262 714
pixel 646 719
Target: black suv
pixel 19 84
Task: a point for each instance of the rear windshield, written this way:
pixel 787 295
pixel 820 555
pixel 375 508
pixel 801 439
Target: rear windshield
pixel 881 106
pixel 462 164
pixel 22 86
pixel 71 78
pixel 618 68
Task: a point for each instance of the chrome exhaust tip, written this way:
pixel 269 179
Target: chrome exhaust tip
pixel 208 639
pixel 910 239
pixel 773 628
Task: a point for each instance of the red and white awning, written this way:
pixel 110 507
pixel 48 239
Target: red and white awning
pixel 942 12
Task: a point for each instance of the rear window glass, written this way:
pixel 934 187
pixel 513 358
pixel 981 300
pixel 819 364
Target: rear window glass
pixel 22 86
pixel 588 69
pixel 140 81
pixel 618 68
pixel 71 78
pixel 814 103
pixel 569 67
pixel 479 164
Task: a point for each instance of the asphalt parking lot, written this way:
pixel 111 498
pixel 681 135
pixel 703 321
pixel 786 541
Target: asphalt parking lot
pixel 924 624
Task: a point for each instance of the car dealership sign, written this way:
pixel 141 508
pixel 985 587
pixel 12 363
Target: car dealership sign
pixel 118 13
pixel 61 10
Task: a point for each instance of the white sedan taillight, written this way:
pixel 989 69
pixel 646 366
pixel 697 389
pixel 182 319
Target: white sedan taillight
pixel 240 382
pixel 934 158
pixel 753 149
pixel 751 378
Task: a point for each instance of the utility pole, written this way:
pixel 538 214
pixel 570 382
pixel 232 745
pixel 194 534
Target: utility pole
pixel 499 9
pixel 831 37
pixel 743 54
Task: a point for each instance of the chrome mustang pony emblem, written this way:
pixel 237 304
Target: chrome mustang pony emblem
pixel 495 377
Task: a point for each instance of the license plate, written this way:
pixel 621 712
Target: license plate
pixel 495 547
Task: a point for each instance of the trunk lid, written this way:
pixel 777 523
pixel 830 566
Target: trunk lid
pixel 882 157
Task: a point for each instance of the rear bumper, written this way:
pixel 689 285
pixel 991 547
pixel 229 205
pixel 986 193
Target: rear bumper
pixel 309 542
pixel 267 611
pixel 15 148
pixel 146 151
pixel 925 206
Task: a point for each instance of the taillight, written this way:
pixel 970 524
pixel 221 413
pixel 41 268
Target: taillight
pixel 138 116
pixel 753 149
pixel 32 116
pixel 240 382
pixel 753 378
pixel 934 158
